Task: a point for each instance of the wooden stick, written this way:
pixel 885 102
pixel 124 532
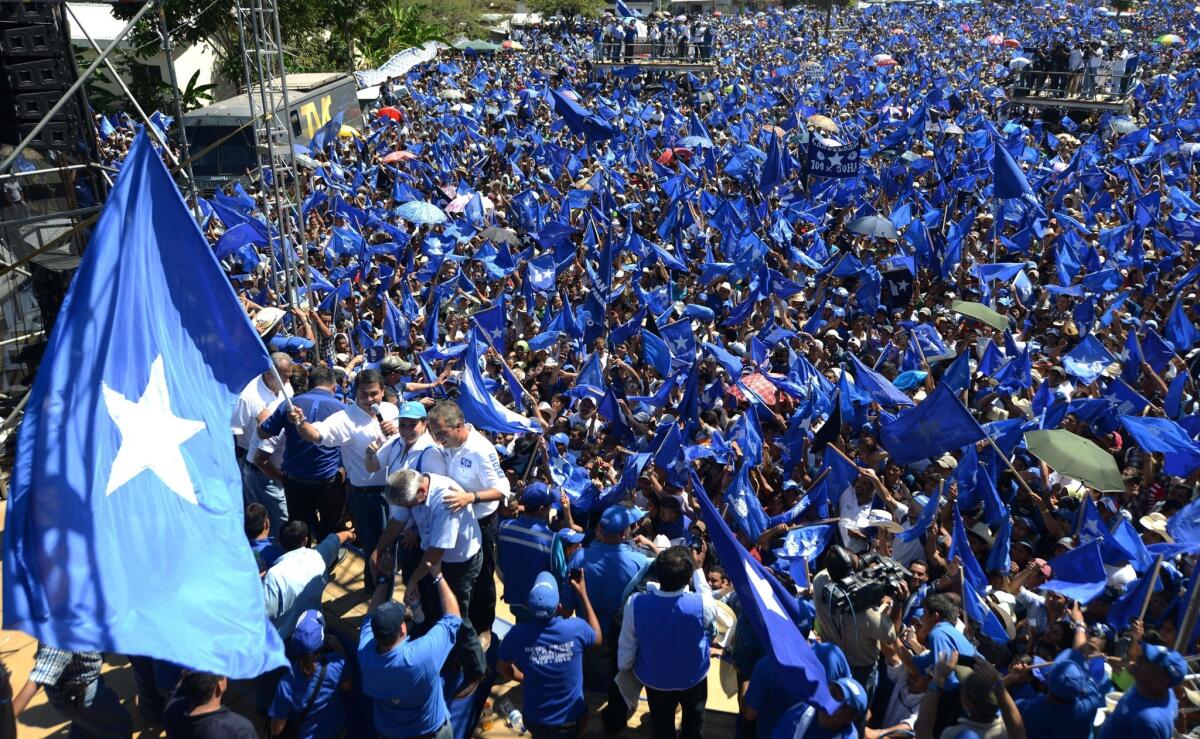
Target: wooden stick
pixel 1150 591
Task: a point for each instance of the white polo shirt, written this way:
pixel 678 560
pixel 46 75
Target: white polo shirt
pixel 454 532
pixel 353 430
pixel 474 466
pixel 251 401
pixel 395 455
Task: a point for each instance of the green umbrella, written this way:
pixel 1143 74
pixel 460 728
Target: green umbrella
pixel 1076 457
pixel 980 312
pixel 477 45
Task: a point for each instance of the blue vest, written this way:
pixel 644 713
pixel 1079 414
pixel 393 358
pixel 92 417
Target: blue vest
pixel 672 651
pixel 523 550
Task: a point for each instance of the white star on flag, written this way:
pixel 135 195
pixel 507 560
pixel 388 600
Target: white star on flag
pixel 151 436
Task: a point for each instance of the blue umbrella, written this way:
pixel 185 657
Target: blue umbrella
pixel 418 211
pixel 692 142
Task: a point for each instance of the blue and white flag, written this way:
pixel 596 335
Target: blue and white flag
pixel 124 530
pixel 832 161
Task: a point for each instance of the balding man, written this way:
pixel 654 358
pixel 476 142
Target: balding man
pixel 254 404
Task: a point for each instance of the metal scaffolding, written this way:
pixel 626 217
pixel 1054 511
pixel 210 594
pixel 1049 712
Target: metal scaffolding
pixel 265 73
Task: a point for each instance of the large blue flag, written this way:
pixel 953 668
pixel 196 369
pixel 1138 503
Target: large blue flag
pixel 1078 574
pixel 960 548
pixel 1181 455
pixel 124 529
pixel 938 424
pixel 1184 526
pixel 581 120
pixel 1008 181
pixel 478 406
pixel 772 611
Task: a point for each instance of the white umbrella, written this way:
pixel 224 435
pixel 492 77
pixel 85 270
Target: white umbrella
pixel 1124 125
pixel 1018 62
pixel 452 94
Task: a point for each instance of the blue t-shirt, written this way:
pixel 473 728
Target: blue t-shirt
pixel 267 551
pixel 327 716
pixel 550 653
pixel 404 682
pixel 1073 720
pixel 791 718
pixel 608 569
pixel 1141 717
pixel 833 659
pixel 945 639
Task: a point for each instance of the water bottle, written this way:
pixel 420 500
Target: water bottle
pixel 505 709
pixel 418 613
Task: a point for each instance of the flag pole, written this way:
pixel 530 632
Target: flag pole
pixel 488 339
pixel 1150 590
pixel 1189 619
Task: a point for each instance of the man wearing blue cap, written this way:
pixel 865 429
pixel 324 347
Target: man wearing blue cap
pixel 805 721
pixel 665 642
pixel 610 563
pixel 1148 709
pixel 545 654
pixel 1067 710
pixel 523 546
pixel 404 451
pixel 402 675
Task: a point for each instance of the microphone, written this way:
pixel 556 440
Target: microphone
pixel 378 415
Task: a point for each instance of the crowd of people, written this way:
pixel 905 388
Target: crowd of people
pixel 549 338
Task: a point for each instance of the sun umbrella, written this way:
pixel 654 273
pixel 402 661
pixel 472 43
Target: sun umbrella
pixel 459 204
pixel 398 156
pixel 476 45
pixel 1076 457
pixel 390 112
pixel 823 122
pixel 994 39
pixel 498 234
pixel 305 160
pixel 418 211
pixel 897 31
pixel 670 155
pixel 347 132
pixel 874 226
pixel 693 142
pixel 1012 43
pixel 773 129
pixel 451 94
pixel 513 45
pixel 881 59
pixel 1018 62
pixel 981 313
pixel 1168 39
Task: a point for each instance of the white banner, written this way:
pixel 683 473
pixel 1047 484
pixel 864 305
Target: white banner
pixel 399 64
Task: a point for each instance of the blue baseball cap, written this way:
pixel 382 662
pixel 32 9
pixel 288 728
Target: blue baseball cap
pixel 412 409
pixel 560 438
pixel 386 621
pixel 853 695
pixel 617 518
pixel 1168 659
pixel 543 596
pixel 570 536
pixel 536 495
pixel 308 635
pixel 1067 680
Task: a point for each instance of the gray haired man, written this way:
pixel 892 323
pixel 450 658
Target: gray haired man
pixel 450 538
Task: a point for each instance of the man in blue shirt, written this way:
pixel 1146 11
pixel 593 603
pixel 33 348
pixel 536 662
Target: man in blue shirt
pixel 610 563
pixel 665 642
pixel 812 722
pixel 402 676
pixel 944 639
pixel 1067 710
pixel 545 654
pixel 1149 708
pixel 523 546
pixel 257 525
pixel 312 482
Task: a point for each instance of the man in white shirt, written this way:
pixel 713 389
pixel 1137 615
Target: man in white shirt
pixel 450 538
pixel 266 456
pixel 253 405
pixel 470 460
pixel 368 420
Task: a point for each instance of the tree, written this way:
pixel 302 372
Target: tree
pixel 568 8
pixel 399 26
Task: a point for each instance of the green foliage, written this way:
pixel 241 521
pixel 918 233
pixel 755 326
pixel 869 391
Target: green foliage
pixel 398 25
pixel 568 8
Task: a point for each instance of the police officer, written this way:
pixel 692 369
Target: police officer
pixel 523 547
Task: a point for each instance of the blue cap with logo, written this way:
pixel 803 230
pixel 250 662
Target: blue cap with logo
pixel 308 635
pixel 543 596
pixel 412 410
pixel 1168 659
pixel 617 518
pixel 853 695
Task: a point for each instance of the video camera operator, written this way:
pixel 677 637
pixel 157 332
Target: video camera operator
pixel 858 627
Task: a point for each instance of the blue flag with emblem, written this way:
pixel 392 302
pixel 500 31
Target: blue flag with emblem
pixel 770 609
pixel 938 424
pixel 478 406
pixel 125 518
pixel 832 161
